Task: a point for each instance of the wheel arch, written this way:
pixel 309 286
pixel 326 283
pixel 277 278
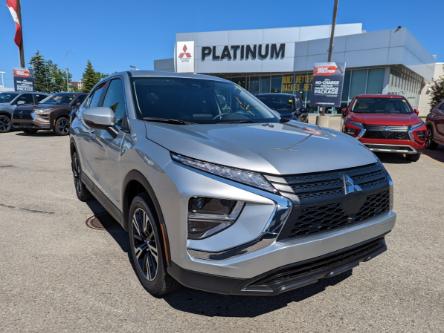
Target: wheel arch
pixel 135 183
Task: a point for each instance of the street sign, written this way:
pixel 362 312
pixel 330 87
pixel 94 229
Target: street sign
pixel 328 79
pixel 23 80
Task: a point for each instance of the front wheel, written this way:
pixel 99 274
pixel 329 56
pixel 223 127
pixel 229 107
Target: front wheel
pixel 146 250
pixel 430 143
pixel 413 157
pixel 5 123
pixel 61 126
pixel 81 191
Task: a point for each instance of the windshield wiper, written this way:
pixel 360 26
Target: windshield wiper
pixel 168 121
pixel 236 121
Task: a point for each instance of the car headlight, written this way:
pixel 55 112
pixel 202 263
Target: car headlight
pixel 417 125
pixel 40 112
pixel 246 177
pixel 354 123
pixel 208 216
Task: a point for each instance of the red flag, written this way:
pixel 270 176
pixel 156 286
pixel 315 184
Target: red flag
pixel 13 8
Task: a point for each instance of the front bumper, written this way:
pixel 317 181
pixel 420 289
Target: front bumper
pixel 35 123
pixel 393 146
pixel 283 279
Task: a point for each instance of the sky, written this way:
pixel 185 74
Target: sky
pixel 115 34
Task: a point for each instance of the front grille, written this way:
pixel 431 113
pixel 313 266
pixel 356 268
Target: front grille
pixel 321 203
pixel 23 114
pixel 387 132
pixel 306 188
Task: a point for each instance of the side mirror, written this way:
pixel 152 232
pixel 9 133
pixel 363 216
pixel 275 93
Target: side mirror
pixel 416 111
pixel 286 118
pixel 303 110
pixel 20 102
pixel 100 117
pixel 344 111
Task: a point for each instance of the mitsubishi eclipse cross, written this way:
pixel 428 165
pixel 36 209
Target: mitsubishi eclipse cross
pixel 218 193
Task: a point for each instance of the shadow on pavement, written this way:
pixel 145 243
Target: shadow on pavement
pixel 393 158
pixel 37 134
pixel 437 154
pixel 110 225
pixel 213 305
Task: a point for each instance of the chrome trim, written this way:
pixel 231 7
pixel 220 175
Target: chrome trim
pixel 386 148
pixel 382 128
pixel 412 128
pixel 232 217
pixel 269 235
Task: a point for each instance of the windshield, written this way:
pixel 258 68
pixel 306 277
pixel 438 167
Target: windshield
pixel 58 99
pixel 280 103
pixel 7 97
pixel 198 101
pixel 382 105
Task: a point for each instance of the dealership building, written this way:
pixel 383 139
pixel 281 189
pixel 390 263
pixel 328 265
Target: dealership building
pixel 390 61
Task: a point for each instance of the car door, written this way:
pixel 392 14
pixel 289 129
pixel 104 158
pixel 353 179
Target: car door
pixel 91 153
pixel 114 142
pixel 24 99
pixel 439 122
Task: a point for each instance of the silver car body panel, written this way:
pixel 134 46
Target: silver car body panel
pixel 276 149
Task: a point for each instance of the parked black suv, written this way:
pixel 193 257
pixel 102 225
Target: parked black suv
pixel 289 106
pixel 52 113
pixel 10 101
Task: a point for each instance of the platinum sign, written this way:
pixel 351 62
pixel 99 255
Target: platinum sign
pixel 244 52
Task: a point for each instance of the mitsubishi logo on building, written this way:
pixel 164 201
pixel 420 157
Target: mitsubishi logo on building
pixel 185 57
pixel 184 52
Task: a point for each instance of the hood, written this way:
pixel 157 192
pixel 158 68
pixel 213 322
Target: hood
pixel 385 119
pixel 52 106
pixel 278 148
pixel 6 107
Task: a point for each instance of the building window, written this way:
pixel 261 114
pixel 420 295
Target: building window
pixel 276 82
pixel 253 87
pixel 264 84
pixel 358 82
pixel 375 82
pixel 346 87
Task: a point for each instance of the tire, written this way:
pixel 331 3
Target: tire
pixel 146 253
pixel 430 144
pixel 5 123
pixel 29 131
pixel 61 126
pixel 413 157
pixel 81 191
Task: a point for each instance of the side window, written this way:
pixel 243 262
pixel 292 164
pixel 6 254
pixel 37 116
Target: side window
pixel 95 98
pixel 80 100
pixel 25 99
pixel 441 107
pixel 39 97
pixel 115 99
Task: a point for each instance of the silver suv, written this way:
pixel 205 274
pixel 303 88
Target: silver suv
pixel 218 193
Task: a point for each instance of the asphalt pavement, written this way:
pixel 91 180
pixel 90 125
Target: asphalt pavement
pixel 59 275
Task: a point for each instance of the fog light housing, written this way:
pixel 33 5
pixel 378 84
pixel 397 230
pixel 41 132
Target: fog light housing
pixel 208 216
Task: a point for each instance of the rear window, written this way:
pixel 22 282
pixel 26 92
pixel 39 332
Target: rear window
pixel 382 105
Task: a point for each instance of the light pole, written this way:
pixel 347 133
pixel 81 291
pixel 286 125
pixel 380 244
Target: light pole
pixel 2 82
pixel 67 79
pixel 332 33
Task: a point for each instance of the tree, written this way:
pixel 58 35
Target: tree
pixel 41 73
pixel 90 77
pixel 437 91
pixel 59 77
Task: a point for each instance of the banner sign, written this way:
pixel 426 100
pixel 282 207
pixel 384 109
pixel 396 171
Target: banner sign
pixel 23 80
pixel 185 57
pixel 328 79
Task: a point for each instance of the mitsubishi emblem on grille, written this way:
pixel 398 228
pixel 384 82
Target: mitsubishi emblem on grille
pixel 349 185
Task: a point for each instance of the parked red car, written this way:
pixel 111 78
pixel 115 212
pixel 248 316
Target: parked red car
pixel 435 125
pixel 386 123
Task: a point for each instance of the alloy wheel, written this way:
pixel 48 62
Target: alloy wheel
pixel 145 245
pixel 76 173
pixel 5 124
pixel 62 126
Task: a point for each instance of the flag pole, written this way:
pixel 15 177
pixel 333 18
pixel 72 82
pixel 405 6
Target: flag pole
pixel 21 47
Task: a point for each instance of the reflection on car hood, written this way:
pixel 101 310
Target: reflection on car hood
pixel 278 148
